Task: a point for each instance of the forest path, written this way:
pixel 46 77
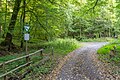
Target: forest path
pixel 82 65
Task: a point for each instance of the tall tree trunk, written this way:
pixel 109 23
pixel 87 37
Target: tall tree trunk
pixel 5 24
pixel 109 33
pixel 0 31
pixel 0 23
pixel 8 38
pixel 80 33
pixel 24 5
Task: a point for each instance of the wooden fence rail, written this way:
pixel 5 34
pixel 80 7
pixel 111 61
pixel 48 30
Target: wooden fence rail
pixel 16 59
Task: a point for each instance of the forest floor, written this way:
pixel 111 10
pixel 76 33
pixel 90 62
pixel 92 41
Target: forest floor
pixel 83 64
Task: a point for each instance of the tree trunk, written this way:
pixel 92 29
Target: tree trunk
pixel 24 5
pixel 8 38
pixel 0 30
pixel 80 33
pixel 0 23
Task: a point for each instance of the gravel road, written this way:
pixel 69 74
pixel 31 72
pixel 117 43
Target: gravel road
pixel 82 65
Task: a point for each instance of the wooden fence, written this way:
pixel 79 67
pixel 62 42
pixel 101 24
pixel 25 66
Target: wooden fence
pixel 3 65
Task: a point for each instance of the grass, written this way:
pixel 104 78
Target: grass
pixel 42 70
pixel 12 65
pixel 104 52
pixel 63 46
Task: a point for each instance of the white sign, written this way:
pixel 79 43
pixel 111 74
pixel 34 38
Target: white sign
pixel 26 28
pixel 26 37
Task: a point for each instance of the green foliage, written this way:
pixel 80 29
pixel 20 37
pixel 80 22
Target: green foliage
pixel 45 69
pixel 12 65
pixel 40 71
pixel 118 6
pixel 106 49
pixel 63 46
pixel 104 52
pixel 59 19
pixel 8 57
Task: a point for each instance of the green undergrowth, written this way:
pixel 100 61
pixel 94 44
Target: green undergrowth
pixel 105 52
pixel 40 71
pixel 15 64
pixel 63 46
pixel 60 47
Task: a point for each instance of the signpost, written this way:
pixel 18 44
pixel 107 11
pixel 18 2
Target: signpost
pixel 26 38
pixel 26 28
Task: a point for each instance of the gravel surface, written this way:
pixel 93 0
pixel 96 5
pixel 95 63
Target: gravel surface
pixel 82 65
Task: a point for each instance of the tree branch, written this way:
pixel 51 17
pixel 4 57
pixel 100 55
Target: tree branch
pixel 94 5
pixel 14 15
pixel 54 3
pixel 92 8
pixel 38 20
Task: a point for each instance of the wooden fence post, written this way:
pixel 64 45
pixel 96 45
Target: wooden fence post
pixel 4 70
pixel 52 51
pixel 114 47
pixel 27 58
pixel 41 53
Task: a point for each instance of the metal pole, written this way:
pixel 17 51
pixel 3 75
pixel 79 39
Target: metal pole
pixel 41 54
pixel 27 58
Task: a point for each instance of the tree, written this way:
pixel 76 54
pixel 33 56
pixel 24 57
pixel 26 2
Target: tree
pixel 49 19
pixel 8 38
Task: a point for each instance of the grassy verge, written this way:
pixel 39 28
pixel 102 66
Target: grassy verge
pixel 110 52
pixel 61 48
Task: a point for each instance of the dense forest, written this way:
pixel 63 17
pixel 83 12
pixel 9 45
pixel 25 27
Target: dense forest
pixel 56 28
pixel 50 19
